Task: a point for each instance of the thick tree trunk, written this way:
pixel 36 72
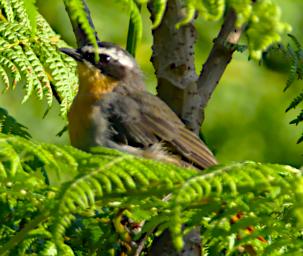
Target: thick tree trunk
pixel 173 60
pixel 163 245
pixel 181 88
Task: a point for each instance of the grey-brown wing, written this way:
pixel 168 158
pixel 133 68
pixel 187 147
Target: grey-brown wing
pixel 145 119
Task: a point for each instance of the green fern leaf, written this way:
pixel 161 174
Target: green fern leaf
pixel 298 119
pixel 98 186
pixel 8 125
pixel 136 28
pixel 295 102
pixel 159 7
pixel 7 10
pixel 32 13
pixel 29 55
pixel 78 13
pixel 248 174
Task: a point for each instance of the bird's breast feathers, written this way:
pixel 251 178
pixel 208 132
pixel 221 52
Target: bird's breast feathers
pixel 93 84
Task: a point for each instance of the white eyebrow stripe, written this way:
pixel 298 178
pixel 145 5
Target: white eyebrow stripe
pixel 117 55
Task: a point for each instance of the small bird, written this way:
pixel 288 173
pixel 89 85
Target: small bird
pixel 113 109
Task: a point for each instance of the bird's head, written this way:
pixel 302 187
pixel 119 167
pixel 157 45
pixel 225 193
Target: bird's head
pixel 114 62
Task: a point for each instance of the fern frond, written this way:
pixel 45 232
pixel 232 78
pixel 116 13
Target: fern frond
pixel 20 13
pixel 294 63
pixel 4 77
pixel 9 125
pixel 136 26
pixel 116 176
pixel 296 101
pixel 243 9
pixel 28 52
pixel 32 13
pixel 85 188
pixel 298 119
pixel 32 238
pixel 295 58
pixel 295 41
pixel 234 181
pixel 209 10
pixel 7 13
pixel 159 7
pixel 78 14
pixel 132 36
pixel 265 27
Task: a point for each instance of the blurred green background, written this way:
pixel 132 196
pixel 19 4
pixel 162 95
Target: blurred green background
pixel 245 119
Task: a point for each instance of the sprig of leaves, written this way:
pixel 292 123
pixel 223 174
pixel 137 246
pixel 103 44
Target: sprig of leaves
pixel 29 55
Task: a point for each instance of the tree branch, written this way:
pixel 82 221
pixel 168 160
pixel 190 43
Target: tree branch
pixel 218 59
pixel 163 246
pixel 173 60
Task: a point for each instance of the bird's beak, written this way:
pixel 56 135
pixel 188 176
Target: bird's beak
pixel 72 53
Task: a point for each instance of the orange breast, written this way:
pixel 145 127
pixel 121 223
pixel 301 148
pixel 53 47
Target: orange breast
pixel 83 112
pixel 79 127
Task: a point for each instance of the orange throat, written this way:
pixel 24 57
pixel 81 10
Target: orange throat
pixel 93 84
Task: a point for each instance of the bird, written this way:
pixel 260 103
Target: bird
pixel 114 109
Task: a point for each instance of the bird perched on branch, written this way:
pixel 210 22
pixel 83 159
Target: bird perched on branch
pixel 113 109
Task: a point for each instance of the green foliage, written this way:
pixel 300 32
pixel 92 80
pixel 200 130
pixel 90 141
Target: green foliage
pixel 264 27
pixel 159 9
pixel 9 125
pixel 56 200
pixel 28 46
pixel 263 19
pixel 208 9
pixel 295 58
pixel 134 29
pixel 78 15
pixel 32 13
pixel 243 9
pixel 29 55
pixel 61 200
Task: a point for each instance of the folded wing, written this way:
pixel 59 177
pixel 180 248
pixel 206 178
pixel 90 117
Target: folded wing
pixel 144 119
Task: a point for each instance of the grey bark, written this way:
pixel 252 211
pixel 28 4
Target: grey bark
pixel 173 59
pixel 162 246
pixel 186 93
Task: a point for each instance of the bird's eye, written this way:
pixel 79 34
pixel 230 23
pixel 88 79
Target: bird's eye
pixel 90 57
pixel 104 58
